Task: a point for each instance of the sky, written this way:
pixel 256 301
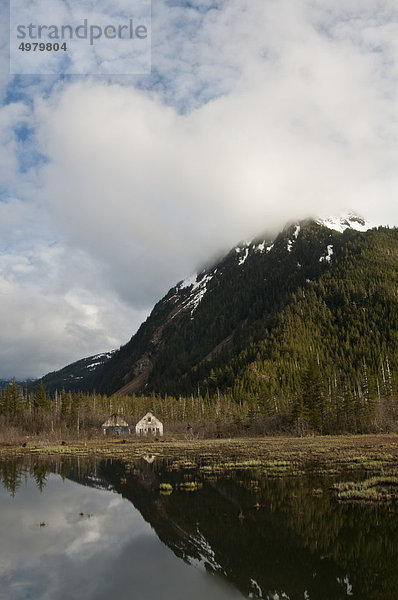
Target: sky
pixel 115 187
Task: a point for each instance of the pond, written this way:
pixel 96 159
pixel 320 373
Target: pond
pixel 86 528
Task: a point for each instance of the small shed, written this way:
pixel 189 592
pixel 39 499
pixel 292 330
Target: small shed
pixel 115 425
pixel 149 425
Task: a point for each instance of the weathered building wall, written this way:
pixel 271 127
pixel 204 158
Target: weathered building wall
pixel 116 430
pixel 149 425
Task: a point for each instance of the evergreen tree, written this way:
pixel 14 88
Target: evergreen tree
pixel 40 398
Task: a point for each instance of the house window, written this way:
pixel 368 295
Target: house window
pixel 149 419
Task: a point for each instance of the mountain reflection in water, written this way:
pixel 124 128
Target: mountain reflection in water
pixel 261 538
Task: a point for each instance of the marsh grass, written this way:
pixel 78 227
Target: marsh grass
pixel 190 486
pixel 165 487
pixel 376 489
pixel 278 457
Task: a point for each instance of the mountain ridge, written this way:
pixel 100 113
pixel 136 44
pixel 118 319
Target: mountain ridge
pixel 194 336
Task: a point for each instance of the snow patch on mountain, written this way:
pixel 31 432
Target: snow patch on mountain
pixel 197 291
pixel 263 247
pixel 295 236
pixel 260 247
pixel 92 366
pixel 328 256
pixel 99 359
pixel 243 258
pixel 244 251
pixel 346 221
pixel 191 280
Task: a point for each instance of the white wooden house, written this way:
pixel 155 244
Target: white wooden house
pixel 149 425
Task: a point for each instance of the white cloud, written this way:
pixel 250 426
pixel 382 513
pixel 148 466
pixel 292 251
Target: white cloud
pixel 53 311
pixel 254 116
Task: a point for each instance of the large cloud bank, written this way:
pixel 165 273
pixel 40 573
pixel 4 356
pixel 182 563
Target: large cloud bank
pixel 254 115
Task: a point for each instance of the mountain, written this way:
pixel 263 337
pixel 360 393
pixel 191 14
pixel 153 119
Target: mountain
pixel 78 375
pixel 319 301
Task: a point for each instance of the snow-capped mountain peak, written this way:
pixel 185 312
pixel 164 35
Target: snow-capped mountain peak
pixel 345 221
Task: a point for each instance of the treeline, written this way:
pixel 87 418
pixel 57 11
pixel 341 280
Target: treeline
pixel 310 410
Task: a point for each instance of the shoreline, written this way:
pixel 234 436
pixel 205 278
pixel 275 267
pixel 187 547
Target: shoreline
pixel 359 469
pixel 374 451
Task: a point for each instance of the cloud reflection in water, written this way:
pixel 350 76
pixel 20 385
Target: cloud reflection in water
pixel 113 553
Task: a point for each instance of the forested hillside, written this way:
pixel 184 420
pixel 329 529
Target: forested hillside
pixel 333 352
pixel 302 328
pixel 263 315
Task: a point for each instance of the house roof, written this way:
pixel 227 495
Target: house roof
pixel 115 421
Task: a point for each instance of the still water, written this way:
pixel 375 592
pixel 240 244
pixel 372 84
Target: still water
pixel 75 529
